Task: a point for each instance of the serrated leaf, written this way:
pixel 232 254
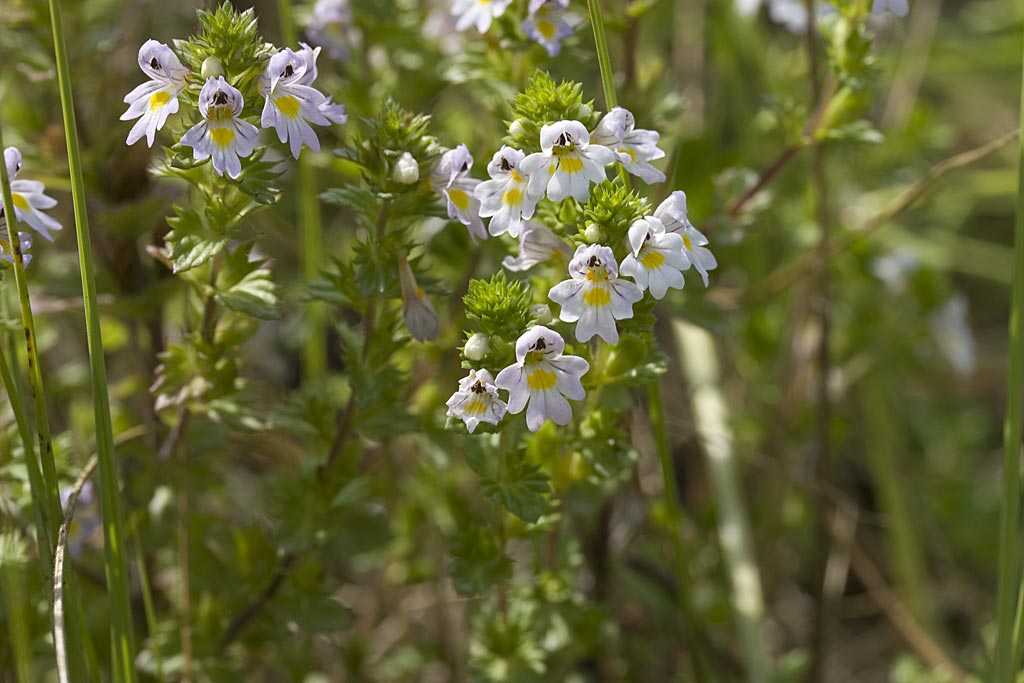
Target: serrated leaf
pixel 192 249
pixel 245 286
pixel 522 489
pixel 478 561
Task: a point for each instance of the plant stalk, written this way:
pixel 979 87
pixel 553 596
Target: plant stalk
pixel 115 558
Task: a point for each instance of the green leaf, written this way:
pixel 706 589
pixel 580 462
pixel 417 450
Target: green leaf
pixel 521 488
pixel 245 286
pixel 191 249
pixel 478 561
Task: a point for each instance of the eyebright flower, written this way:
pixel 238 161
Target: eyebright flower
pixel 657 260
pixel 567 162
pixel 29 200
pixel 952 332
pixel 548 23
pixel 595 297
pixel 406 170
pixel 25 241
pixel 476 401
pixel 542 378
pixel 417 309
pixel 537 244
pixel 450 178
pixel 292 103
pixel 504 198
pixel 221 134
pixel 635 148
pixel 672 214
pixel 329 25
pixel 478 13
pixel 157 98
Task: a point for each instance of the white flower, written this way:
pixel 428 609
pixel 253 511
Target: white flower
pixel 477 347
pixel 595 296
pixel 24 241
pixel 221 134
pixel 417 309
pixel 672 214
pixel 548 23
pixel 657 260
pixel 405 171
pixel 504 198
pixel 895 268
pixel 537 244
pixel 793 13
pixel 450 178
pixel 542 378
pixel 567 162
pixel 292 103
pixel 476 400
pixel 329 25
pixel 952 332
pixel 157 98
pixel 29 200
pixel 478 13
pixel 635 148
pixel 897 7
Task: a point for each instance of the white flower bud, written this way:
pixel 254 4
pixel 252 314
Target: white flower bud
pixel 516 128
pixel 477 346
pixel 212 68
pixel 594 234
pixel 583 110
pixel 406 171
pixel 542 313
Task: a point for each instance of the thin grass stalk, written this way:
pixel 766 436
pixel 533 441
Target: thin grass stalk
pixel 15 599
pixel 49 494
pixel 1007 610
pixel 115 558
pixel 314 352
pixel 711 416
pixel 691 628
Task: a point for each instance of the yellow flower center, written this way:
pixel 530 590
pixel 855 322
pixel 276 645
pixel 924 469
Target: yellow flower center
pixel 686 241
pixel 20 201
pixel 222 136
pixel 571 165
pixel 512 197
pixel 159 99
pixel 546 29
pixel 541 379
pixel 652 260
pixel 475 407
pixel 597 297
pixel 597 275
pixel 631 153
pixel 287 105
pixel 516 177
pixel 459 198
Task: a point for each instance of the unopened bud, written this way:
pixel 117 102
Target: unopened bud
pixel 477 346
pixel 583 110
pixel 516 128
pixel 593 233
pixel 541 313
pixel 406 171
pixel 212 68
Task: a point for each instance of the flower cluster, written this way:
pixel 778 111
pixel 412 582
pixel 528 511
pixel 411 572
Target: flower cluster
pixel 291 105
pixel 602 288
pixel 547 22
pixel 29 202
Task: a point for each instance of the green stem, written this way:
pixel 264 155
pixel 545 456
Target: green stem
pixel 675 516
pixel 115 559
pixel 15 598
pixel 604 59
pixel 314 355
pixel 1013 428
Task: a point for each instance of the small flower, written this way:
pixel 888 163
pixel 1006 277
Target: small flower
pixel 542 378
pixel 537 244
pixel 477 347
pixel 897 7
pixel 952 332
pixel 635 148
pixel 157 98
pixel 417 308
pixel 221 134
pixel 541 313
pixel 292 104
pixel 405 171
pixel 504 198
pixel 84 523
pixel 896 268
pixel 29 200
pixel 25 241
pixel 595 296
pixel 672 214
pixel 567 162
pixel 478 12
pixel 450 178
pixel 476 401
pixel 329 25
pixel 548 23
pixel 657 260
